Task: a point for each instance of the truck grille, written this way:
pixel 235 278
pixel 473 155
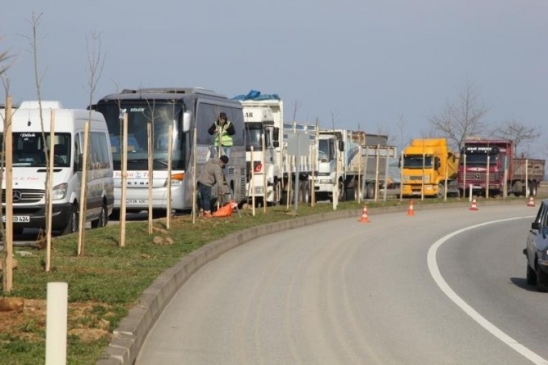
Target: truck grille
pixel 24 196
pixel 480 176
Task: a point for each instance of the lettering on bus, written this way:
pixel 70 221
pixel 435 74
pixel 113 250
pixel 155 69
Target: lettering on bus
pixel 136 110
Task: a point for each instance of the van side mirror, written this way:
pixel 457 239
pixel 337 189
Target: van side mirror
pixel 341 146
pixel 186 121
pixel 535 225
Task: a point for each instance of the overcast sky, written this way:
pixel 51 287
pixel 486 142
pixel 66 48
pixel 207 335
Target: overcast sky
pixel 360 63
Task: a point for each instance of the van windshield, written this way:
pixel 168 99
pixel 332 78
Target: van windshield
pixel 28 149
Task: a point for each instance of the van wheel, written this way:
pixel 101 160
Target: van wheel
pixel 72 224
pixel 102 221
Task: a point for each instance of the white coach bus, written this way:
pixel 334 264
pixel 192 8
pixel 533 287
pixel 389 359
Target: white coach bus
pixel 187 110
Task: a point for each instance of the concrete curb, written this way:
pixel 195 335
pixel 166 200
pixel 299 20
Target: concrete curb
pixel 131 333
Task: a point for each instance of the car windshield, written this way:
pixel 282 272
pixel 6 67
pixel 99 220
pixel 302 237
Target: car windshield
pixel 28 149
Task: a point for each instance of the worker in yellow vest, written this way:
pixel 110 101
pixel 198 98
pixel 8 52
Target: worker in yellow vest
pixel 222 130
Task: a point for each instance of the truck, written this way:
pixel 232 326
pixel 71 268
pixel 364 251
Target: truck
pixel 271 171
pixel 343 160
pixel 429 167
pixel 489 167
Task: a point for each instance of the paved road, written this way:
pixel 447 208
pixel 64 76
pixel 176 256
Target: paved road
pixel 364 293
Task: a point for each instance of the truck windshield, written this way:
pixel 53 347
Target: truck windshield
pixel 325 150
pixel 140 113
pixel 415 162
pixel 254 133
pixel 29 151
pixel 473 159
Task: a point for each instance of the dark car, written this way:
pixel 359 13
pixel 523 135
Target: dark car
pixel 536 249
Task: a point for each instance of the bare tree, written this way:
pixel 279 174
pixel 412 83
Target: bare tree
pixel 295 107
pixel 3 58
pixel 35 22
pixel 518 133
pixel 462 118
pixel 94 69
pixel 96 62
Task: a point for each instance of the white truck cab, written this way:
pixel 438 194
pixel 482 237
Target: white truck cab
pixel 32 140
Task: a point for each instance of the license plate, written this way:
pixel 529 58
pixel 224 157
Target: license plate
pixel 19 218
pixel 136 201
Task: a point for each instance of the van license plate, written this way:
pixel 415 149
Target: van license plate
pixel 19 218
pixel 136 201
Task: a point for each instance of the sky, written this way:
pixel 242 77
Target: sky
pixel 382 66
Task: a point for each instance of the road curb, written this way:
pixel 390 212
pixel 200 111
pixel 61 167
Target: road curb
pixel 128 338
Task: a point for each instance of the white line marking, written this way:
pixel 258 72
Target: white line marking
pixel 436 275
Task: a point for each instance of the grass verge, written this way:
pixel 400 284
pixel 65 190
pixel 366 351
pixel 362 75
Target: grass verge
pixel 108 280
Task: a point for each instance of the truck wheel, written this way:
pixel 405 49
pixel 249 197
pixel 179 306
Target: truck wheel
pixel 304 193
pixel 342 192
pixel 369 191
pixel 441 191
pixel 277 191
pixel 518 188
pixel 351 194
pixel 533 189
pixel 72 224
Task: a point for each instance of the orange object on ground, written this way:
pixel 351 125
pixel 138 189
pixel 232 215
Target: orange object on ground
pixel 411 210
pixel 364 218
pixel 531 202
pixel 474 206
pixel 224 211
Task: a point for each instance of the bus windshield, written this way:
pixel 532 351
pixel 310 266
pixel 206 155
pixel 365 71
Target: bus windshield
pixel 140 113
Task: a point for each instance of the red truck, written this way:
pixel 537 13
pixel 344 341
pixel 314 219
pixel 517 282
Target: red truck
pixel 491 165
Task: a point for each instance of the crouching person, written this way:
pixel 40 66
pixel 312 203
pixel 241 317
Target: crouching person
pixel 212 173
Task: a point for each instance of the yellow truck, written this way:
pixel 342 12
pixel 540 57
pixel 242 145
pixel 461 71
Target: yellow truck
pixel 428 168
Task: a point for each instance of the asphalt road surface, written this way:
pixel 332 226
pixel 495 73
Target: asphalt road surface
pixel 442 287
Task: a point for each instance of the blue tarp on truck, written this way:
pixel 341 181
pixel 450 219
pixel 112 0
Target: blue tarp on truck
pixel 256 95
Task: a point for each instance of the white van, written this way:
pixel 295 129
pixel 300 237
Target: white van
pixel 31 142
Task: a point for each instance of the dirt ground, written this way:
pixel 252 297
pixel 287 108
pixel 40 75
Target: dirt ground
pixel 28 322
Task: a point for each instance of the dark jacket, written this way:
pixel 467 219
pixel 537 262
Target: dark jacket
pixel 212 173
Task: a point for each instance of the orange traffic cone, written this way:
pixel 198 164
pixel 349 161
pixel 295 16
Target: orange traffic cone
pixel 410 210
pixel 364 218
pixel 474 206
pixel 531 202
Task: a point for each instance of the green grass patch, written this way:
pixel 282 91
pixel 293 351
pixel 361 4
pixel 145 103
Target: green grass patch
pixel 108 280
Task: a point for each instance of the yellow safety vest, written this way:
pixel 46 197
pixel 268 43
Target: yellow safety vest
pixel 226 139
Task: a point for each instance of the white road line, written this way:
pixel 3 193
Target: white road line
pixel 436 275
